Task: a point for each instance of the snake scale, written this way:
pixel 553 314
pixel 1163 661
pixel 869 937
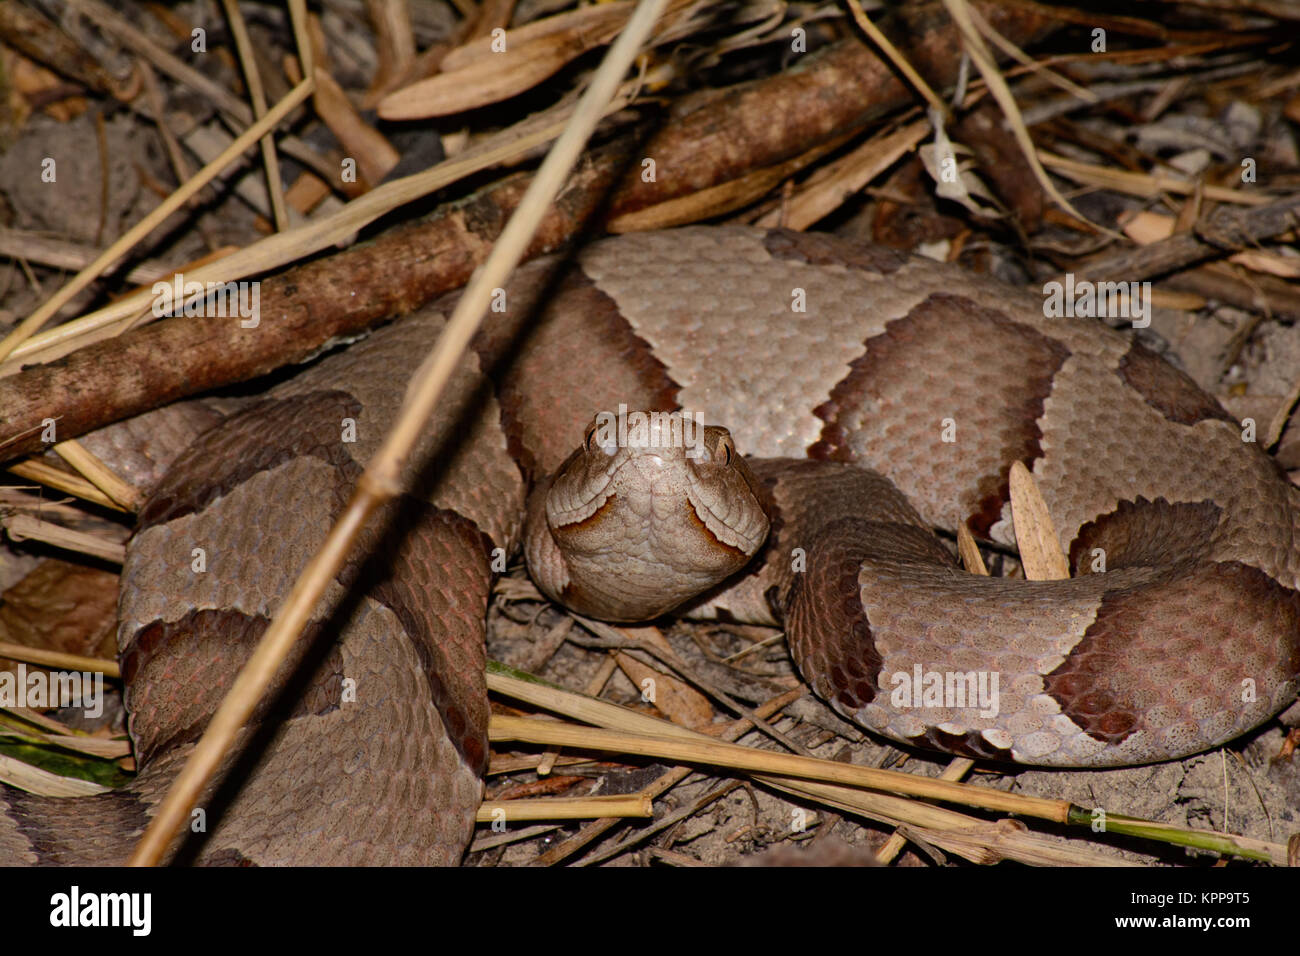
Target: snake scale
pixel 870 397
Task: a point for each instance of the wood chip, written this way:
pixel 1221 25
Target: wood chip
pixel 1040 549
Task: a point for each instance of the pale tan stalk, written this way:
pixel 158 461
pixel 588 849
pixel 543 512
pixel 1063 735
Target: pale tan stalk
pixel 567 808
pixel 721 754
pixel 257 96
pixel 58 660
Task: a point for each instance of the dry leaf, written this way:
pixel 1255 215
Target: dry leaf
pixel 61 606
pixel 474 75
pixel 1040 549
pixel 681 703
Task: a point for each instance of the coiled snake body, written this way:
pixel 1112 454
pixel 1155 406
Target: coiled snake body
pixel 827 357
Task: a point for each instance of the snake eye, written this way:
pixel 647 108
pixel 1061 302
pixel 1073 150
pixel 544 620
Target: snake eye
pixel 724 451
pixel 719 454
pixel 590 441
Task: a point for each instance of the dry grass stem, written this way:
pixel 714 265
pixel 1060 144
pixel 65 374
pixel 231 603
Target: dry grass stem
pixel 98 474
pixel 900 62
pixel 58 660
pixel 35 247
pixel 566 808
pixel 30 528
pixel 257 97
pixel 1146 185
pixel 101 747
pixel 43 783
pixel 60 480
pixel 723 754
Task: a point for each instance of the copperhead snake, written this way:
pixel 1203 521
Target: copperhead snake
pixel 936 378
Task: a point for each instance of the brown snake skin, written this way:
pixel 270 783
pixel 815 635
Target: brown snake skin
pixel 936 378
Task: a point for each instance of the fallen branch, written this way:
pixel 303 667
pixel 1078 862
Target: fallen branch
pixel 1225 231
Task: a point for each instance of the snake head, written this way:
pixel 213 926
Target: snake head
pixel 652 509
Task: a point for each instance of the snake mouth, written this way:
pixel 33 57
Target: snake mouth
pixel 589 489
pixel 707 533
pixel 597 515
pixel 660 478
pixel 704 527
pixel 663 508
